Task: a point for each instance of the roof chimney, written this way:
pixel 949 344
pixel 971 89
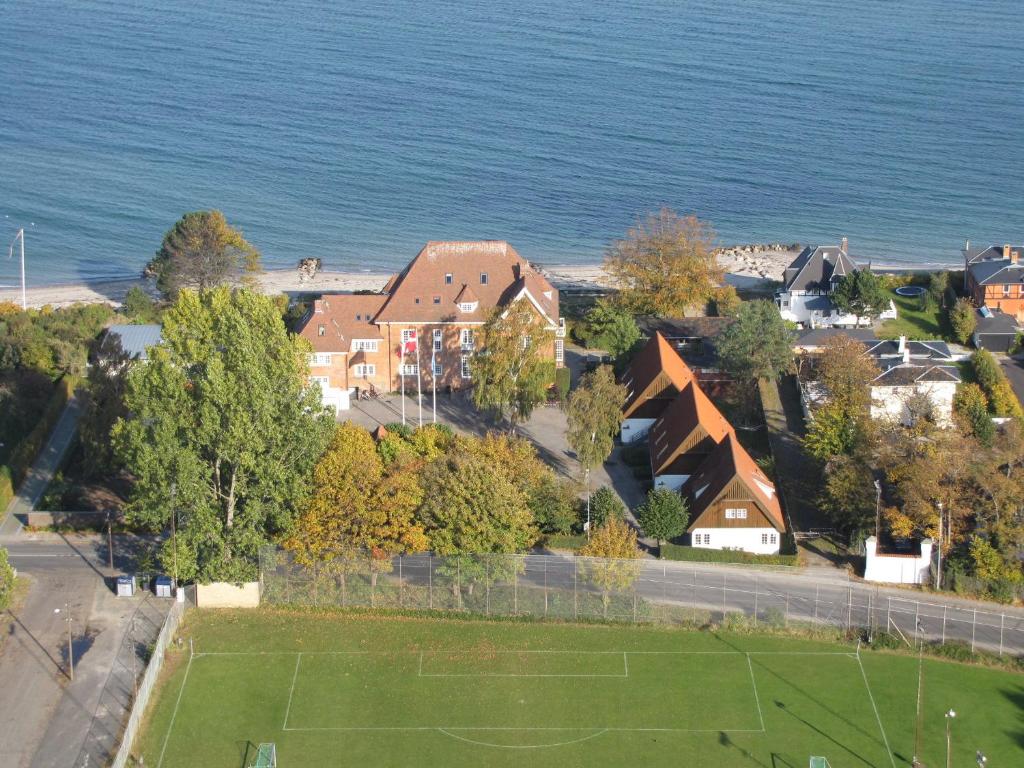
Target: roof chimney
pixel 906 355
pixel 845 246
pixel 1006 251
pixel 1014 256
pixel 902 345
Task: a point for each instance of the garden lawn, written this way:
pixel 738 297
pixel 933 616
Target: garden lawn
pixel 914 322
pixel 360 690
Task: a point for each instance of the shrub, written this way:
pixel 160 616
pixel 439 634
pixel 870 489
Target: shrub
pixel 971 407
pixel 563 379
pixel 636 456
pixel 605 505
pixel 993 381
pixel 140 308
pixel 700 555
pixel 404 431
pixel 963 320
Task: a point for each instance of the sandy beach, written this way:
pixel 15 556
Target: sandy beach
pixel 744 266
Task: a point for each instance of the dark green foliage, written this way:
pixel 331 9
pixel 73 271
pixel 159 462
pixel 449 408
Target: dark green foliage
pixel 758 344
pixel 554 504
pixel 700 555
pixel 636 455
pixel 663 515
pixel 404 431
pixel 605 505
pixel 963 320
pixel 971 408
pixel 139 308
pixel 53 342
pixel 861 294
pixel 563 379
pixel 6 581
pixel 992 380
pixel 610 327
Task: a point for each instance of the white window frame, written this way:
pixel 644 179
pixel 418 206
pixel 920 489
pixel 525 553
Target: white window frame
pixel 483 278
pixel 467 306
pixel 438 334
pixel 408 334
pixel 559 351
pixel 448 278
pixel 438 369
pixel 735 513
pixel 464 367
pixel 323 381
pixel 466 340
pixel 320 358
pixel 365 345
pixel 365 370
pixel 409 369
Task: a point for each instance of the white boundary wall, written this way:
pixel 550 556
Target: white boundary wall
pixel 897 569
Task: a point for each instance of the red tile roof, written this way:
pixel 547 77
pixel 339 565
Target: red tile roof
pixel 689 413
pixel 345 316
pixel 727 463
pixel 657 357
pixel 413 289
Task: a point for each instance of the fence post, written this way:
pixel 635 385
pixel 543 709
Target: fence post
pixel 575 601
pixel 487 586
pixel 373 581
pixel 849 610
pixel 888 615
pixel 974 625
pixel 943 625
pixel 430 582
pixel 757 580
pixel 515 588
pixel 545 586
pixel 458 584
pixel 1002 621
pixel 401 584
pixel 917 621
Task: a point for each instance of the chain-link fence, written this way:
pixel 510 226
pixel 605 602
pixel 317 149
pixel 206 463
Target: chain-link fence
pixel 580 588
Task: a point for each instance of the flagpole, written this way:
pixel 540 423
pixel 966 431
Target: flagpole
pixel 401 372
pixel 433 378
pixel 419 380
pixel 24 305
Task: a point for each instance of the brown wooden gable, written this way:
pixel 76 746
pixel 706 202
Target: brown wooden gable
pixel 691 442
pixel 735 494
pixel 661 388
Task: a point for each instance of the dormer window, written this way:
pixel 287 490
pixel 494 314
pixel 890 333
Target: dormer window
pixel 468 306
pixel 448 278
pixel 321 329
pixel 358 318
pixel 437 299
pixel 483 278
pixel 417 299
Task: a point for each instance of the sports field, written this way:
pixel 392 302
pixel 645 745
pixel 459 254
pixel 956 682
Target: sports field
pixel 348 690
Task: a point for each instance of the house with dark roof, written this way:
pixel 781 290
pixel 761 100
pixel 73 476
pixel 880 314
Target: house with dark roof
pixel 994 277
pixel 421 330
pixel 694 338
pixel 808 284
pixel 655 377
pixel 995 331
pixel 913 376
pixel 132 341
pixel 732 503
pixel 684 435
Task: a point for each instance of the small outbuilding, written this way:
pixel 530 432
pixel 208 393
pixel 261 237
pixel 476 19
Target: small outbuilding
pixel 996 331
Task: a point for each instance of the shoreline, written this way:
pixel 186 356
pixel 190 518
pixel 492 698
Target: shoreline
pixel 746 266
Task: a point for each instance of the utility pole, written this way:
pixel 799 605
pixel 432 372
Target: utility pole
pixel 110 541
pixel 949 719
pixel 938 567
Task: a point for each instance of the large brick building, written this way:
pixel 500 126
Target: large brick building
pixel 426 321
pixel 994 278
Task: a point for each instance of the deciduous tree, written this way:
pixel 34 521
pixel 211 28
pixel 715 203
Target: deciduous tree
pixel 605 505
pixel 663 515
pixel 665 265
pixel 202 251
pixel 6 581
pixel 512 373
pixel 614 567
pixel 963 320
pixel 594 415
pixel 861 294
pixel 758 344
pixel 611 326
pixel 222 428
pixel 970 407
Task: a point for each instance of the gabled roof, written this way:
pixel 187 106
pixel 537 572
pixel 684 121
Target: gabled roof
pixel 975 254
pixel 345 316
pixel 413 290
pixel 999 272
pixel 133 340
pixel 657 372
pixel 819 337
pixel 690 425
pixel 919 350
pixel 466 296
pixel 996 322
pixel 908 374
pixel 815 267
pixel 730 467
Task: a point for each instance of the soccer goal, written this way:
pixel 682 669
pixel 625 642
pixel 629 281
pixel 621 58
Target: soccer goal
pixel 266 756
pixel 819 762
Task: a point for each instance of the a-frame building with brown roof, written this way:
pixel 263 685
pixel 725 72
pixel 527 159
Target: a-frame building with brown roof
pixel 685 434
pixel 732 503
pixel 654 378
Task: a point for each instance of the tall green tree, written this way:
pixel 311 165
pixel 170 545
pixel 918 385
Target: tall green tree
pixel 665 265
pixel 222 429
pixel 758 344
pixel 594 415
pixel 202 251
pixel 963 319
pixel 611 327
pixel 970 407
pixel 861 294
pixel 513 371
pixel 106 383
pixel 605 504
pixel 663 515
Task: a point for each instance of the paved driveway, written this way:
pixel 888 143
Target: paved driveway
pixel 1014 370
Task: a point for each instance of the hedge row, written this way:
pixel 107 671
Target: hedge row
pixel 700 555
pixel 18 463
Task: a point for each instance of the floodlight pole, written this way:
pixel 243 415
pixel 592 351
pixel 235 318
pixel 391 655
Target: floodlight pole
pixel 949 719
pixel 920 693
pixel 938 566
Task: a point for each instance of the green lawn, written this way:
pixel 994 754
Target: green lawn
pixel 349 690
pixel 913 322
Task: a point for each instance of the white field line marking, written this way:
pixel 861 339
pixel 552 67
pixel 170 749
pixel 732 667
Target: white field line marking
pixel 522 746
pixel 610 653
pixel 517 728
pixel 757 699
pixel 514 674
pixel 877 716
pixel 291 692
pixel 625 664
pixel 174 714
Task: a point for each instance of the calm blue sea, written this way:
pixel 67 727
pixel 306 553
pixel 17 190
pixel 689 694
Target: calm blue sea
pixel 356 131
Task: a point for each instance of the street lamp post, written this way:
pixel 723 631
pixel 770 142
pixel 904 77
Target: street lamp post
pixel 938 567
pixel 949 719
pixel 918 725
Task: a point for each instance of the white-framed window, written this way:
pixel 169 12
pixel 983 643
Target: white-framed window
pixel 526 342
pixel 1006 289
pixel 320 358
pixel 703 538
pixel 559 351
pixel 735 514
pixel 764 538
pixel 408 334
pixel 438 370
pixel 467 306
pixel 410 369
pixel 465 367
pixel 364 370
pixel 466 338
pixel 323 381
pixel 365 345
pixel 448 278
pixel 437 339
pixel 321 329
pixel 483 278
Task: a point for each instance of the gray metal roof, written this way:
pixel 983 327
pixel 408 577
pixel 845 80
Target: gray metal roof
pixel 134 339
pixel 997 271
pixel 919 350
pixel 996 322
pixel 819 337
pixel 816 266
pixel 987 252
pixel 906 374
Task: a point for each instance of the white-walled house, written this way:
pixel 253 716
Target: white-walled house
pixel 733 504
pixel 912 567
pixel 654 378
pixel 808 284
